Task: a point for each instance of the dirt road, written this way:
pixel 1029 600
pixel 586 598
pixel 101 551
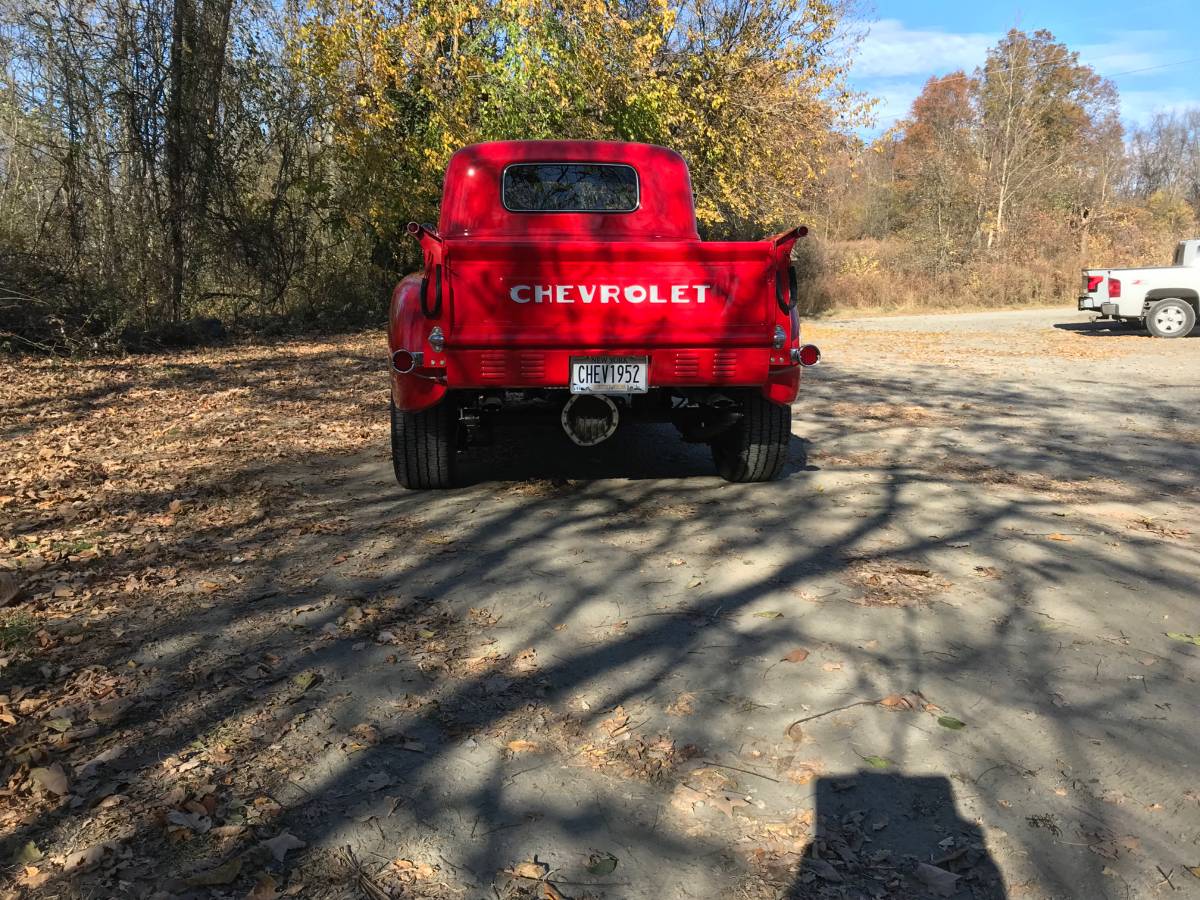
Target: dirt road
pixel 975 591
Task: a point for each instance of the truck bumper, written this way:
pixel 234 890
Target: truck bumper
pixel 1095 304
pixel 770 370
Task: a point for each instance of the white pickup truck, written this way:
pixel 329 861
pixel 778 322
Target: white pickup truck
pixel 1166 298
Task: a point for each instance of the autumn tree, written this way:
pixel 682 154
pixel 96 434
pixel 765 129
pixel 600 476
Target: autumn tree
pixel 938 171
pixel 1041 113
pixel 1164 157
pixel 745 89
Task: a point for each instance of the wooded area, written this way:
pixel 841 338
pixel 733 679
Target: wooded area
pixel 167 166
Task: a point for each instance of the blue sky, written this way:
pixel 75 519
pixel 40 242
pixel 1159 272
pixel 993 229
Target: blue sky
pixel 910 41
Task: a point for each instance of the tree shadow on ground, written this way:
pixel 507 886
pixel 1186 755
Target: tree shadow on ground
pixel 539 450
pixel 359 672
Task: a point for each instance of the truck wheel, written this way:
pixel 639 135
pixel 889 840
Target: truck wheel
pixel 423 447
pixel 754 449
pixel 1170 318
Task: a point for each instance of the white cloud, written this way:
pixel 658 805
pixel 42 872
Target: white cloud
pixel 1138 107
pixel 890 50
pixel 1130 54
pixel 893 62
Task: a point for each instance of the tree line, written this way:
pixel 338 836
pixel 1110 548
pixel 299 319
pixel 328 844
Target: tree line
pixel 253 163
pixel 1001 184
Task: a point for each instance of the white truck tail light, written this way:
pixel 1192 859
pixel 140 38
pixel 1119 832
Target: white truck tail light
pixel 1114 287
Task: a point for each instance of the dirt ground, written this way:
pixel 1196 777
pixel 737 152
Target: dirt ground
pixel 953 652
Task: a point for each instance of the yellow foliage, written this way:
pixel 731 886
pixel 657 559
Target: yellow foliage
pixel 747 94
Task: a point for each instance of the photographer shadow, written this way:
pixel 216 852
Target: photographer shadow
pixel 884 834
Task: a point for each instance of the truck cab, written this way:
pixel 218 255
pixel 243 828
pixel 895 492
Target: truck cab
pixel 567 279
pixel 1165 299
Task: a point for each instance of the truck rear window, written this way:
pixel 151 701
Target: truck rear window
pixel 570 187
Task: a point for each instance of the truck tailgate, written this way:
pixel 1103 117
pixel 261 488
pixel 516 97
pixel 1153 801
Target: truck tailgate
pixel 612 293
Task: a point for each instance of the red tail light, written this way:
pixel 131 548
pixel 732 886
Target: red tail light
pixel 807 355
pixel 1093 282
pixel 1114 288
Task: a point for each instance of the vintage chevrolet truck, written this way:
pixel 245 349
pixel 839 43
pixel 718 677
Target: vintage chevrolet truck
pixel 567 278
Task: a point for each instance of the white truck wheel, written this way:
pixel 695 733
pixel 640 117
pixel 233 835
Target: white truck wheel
pixel 1170 318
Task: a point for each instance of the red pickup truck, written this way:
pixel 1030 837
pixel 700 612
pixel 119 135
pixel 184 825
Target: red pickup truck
pixel 567 278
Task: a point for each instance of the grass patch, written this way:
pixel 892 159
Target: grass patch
pixel 16 630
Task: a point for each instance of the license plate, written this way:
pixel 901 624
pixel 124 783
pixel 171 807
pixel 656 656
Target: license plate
pixel 609 374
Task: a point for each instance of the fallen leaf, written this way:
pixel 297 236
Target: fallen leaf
pixel 601 863
pixel 617 722
pixel 87 858
pixel 1186 638
pixel 530 869
pixel 282 843
pixel 727 803
pixel 683 705
pixel 685 797
pixel 414 871
pixel 798 655
pixel 952 723
pixel 10 587
pixel 265 889
pixel 822 869
pixel 832 666
pixel 1059 537
pixel 305 680
pixel 52 779
pixel 222 874
pixel 878 762
pixel 907 702
pixel 938 880
pixel 196 822
pixel 109 711
pixel 32 877
pixel 769 614
pixel 523 746
pixel 28 854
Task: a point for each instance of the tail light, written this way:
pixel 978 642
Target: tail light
pixel 1114 288
pixel 1093 282
pixel 807 355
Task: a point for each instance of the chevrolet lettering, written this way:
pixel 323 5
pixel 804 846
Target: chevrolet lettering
pixel 566 281
pixel 610 293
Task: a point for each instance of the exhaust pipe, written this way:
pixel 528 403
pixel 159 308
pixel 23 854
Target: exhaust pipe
pixel 589 419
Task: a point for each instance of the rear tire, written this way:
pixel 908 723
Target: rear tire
pixel 423 447
pixel 754 449
pixel 1170 318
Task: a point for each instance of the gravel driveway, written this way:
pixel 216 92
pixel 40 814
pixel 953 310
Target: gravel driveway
pixel 953 652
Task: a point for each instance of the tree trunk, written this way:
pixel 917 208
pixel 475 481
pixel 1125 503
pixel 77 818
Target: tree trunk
pixel 176 166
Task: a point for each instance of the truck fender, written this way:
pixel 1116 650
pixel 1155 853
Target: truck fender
pixel 408 330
